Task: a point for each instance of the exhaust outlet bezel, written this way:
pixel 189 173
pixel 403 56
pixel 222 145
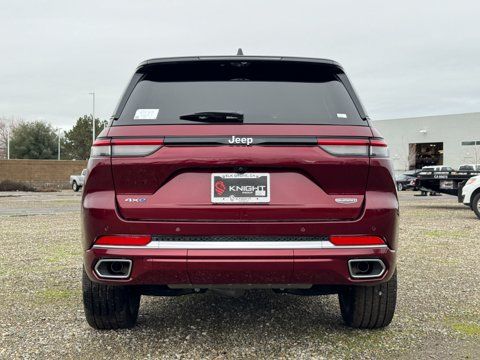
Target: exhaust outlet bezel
pixel 366 276
pixel 112 276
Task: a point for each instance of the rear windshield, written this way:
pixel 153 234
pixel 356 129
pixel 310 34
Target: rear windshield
pixel 263 92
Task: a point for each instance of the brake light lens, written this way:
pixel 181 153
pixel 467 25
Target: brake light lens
pixel 124 240
pixel 341 147
pixel 135 147
pixel 100 148
pixel 125 147
pixel 354 147
pixel 472 180
pixel 378 148
pixel 359 240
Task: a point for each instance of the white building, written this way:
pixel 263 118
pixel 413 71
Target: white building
pixel 449 140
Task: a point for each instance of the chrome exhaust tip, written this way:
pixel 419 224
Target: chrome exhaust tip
pixel 366 268
pixel 113 268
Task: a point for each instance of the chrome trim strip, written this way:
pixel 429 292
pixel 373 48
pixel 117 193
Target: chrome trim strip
pixel 384 268
pixel 107 260
pixel 240 286
pixel 227 245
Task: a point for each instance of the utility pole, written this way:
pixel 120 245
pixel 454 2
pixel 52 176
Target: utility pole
pixel 476 152
pixel 8 144
pixel 93 117
pixel 59 138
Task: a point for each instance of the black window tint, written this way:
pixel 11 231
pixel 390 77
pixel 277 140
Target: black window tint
pixel 264 92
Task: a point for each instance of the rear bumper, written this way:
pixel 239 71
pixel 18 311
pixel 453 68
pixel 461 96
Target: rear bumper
pixel 287 263
pixel 467 192
pixel 204 267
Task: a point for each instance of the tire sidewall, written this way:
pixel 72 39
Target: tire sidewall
pixel 476 205
pixel 369 306
pixel 109 307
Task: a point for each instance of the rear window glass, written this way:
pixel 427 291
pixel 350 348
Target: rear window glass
pixel 263 92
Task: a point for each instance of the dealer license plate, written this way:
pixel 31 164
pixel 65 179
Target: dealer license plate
pixel 227 188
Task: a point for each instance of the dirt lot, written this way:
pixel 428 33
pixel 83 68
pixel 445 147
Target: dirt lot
pixel 41 314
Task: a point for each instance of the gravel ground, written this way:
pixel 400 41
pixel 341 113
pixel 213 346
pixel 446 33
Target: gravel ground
pixel 41 314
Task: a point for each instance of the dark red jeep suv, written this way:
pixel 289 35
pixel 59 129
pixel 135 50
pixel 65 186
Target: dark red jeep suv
pixel 239 172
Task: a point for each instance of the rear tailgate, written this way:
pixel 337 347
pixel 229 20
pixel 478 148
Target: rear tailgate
pixel 174 182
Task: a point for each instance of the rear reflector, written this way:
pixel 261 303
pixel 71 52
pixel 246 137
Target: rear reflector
pixel 124 240
pixel 356 240
pixel 125 147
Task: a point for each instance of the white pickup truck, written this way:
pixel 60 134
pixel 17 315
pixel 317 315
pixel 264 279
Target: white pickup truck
pixel 76 181
pixel 471 194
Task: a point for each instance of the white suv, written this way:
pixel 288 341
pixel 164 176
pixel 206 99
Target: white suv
pixel 471 194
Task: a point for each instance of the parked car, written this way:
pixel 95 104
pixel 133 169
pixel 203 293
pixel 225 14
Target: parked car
pixel 469 167
pixel 437 169
pixel 405 181
pixel 76 181
pixel 471 194
pixel 239 172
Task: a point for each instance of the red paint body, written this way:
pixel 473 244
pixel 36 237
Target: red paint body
pixel 304 182
pixel 325 180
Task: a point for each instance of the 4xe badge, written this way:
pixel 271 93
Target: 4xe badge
pixel 135 200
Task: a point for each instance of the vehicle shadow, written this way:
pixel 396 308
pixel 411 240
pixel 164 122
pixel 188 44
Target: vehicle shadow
pixel 258 315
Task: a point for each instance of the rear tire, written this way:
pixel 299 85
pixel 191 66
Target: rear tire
pixel 400 187
pixel 476 205
pixel 75 186
pixel 369 307
pixel 109 307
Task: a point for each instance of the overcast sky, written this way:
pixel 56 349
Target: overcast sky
pixel 417 58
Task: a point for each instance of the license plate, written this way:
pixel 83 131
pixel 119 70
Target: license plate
pixel 446 184
pixel 230 188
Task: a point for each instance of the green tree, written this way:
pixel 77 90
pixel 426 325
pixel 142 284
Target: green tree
pixel 79 139
pixel 33 140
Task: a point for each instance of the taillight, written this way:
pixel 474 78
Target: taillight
pixel 100 148
pixel 472 180
pixel 341 147
pixel 354 147
pixel 135 147
pixel 124 240
pixel 360 240
pixel 125 147
pixel 378 148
